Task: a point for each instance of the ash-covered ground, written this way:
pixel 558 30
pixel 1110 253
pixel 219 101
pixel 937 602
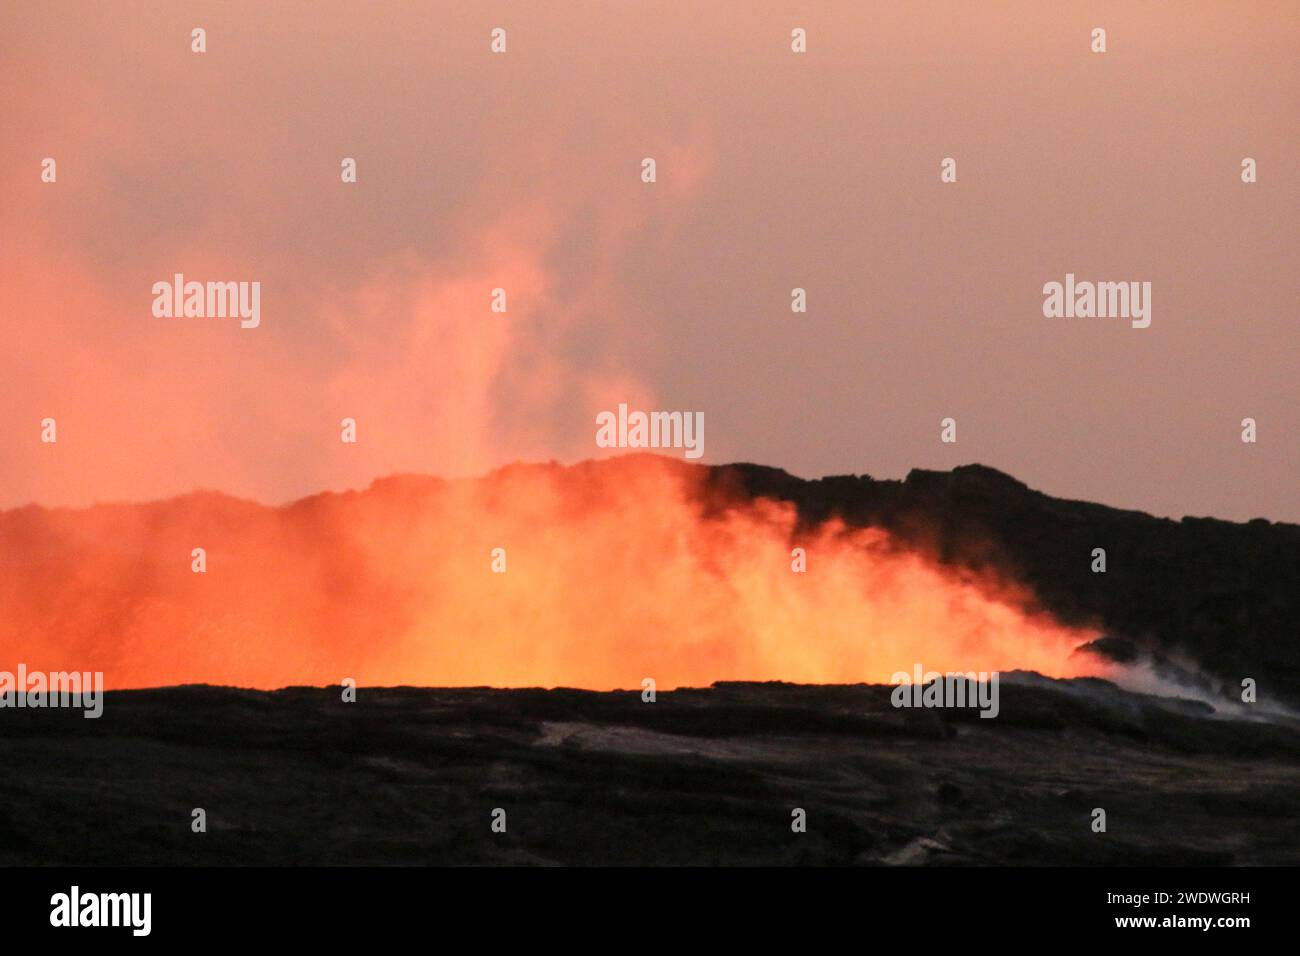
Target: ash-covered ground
pixel 701 776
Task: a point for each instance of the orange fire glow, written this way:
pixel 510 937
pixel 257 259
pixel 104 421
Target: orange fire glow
pixel 615 571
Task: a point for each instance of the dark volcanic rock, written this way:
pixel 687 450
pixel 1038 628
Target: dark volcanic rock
pixel 1221 595
pixel 703 776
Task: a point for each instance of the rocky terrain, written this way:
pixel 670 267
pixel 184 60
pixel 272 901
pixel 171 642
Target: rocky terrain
pixel 703 776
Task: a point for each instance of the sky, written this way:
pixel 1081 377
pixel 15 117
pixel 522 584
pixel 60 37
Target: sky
pixel 774 170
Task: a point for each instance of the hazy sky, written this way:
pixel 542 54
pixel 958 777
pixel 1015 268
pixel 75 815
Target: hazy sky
pixel 775 170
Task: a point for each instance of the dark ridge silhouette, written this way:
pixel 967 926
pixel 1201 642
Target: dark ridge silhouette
pixel 1219 594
